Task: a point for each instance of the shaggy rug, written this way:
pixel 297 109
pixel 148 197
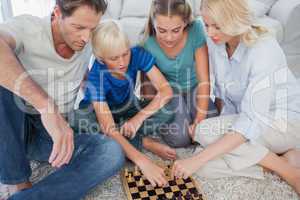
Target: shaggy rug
pixel 236 188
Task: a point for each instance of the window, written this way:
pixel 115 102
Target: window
pixel 38 8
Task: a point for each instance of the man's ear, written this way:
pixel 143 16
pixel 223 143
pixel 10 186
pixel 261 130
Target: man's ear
pixel 57 12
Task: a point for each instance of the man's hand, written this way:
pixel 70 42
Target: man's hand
pixel 62 136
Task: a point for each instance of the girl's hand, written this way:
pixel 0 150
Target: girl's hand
pixel 191 130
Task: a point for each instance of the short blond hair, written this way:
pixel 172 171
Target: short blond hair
pixel 234 17
pixel 107 38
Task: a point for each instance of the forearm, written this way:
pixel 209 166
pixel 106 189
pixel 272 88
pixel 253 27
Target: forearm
pixel 109 128
pixel 202 100
pixel 131 152
pixel 14 78
pixel 224 145
pixel 160 100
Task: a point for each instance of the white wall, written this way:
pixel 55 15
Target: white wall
pixel 38 8
pixel 1 14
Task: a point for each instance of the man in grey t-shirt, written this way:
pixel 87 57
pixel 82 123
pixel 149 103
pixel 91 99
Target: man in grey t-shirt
pixel 42 63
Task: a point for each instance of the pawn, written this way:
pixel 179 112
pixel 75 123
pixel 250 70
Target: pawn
pixel 136 171
pixel 188 195
pixel 126 171
pixel 141 182
pixel 129 177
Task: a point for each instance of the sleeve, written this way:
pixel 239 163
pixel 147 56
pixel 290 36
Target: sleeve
pixel 16 27
pixel 95 89
pixel 145 60
pixel 198 33
pixel 256 103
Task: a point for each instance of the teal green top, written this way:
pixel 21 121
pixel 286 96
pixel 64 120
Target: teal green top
pixel 179 71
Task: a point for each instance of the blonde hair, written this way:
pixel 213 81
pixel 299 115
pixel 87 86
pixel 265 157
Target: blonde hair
pixel 234 18
pixel 168 8
pixel 108 38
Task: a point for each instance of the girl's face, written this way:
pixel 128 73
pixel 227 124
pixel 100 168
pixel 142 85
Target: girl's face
pixel 214 31
pixel 118 61
pixel 169 30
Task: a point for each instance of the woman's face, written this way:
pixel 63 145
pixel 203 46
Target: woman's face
pixel 214 31
pixel 169 30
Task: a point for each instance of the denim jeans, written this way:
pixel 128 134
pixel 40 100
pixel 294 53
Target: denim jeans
pixel 23 137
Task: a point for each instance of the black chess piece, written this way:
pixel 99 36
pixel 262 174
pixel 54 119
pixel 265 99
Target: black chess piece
pixel 180 197
pixel 173 197
pixel 188 196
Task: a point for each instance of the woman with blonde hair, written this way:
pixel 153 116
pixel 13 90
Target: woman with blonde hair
pixel 178 43
pixel 256 96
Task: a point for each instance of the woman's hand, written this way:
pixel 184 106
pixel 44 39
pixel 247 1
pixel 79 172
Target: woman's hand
pixel 185 167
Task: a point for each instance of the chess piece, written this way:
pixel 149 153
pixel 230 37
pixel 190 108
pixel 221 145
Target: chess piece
pixel 141 182
pixel 136 171
pixel 126 172
pixel 129 177
pixel 188 195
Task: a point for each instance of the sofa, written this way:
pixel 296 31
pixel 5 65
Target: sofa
pixel 281 16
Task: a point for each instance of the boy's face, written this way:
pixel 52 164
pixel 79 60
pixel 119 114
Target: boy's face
pixel 118 61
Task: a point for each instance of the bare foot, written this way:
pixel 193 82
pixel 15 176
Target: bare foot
pixel 293 157
pixel 162 150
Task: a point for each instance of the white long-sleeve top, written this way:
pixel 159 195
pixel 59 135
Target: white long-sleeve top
pixel 256 84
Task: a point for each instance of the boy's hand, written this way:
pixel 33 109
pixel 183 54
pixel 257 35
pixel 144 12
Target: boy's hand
pixel 130 127
pixel 152 172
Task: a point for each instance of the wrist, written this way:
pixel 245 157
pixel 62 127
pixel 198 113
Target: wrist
pixel 199 118
pixel 47 106
pixel 140 159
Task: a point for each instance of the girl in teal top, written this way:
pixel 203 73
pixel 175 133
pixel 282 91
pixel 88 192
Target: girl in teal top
pixel 178 43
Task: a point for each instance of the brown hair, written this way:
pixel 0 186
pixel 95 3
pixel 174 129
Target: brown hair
pixel 68 7
pixel 169 8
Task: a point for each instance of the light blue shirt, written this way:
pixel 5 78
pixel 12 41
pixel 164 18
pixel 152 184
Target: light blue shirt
pixel 256 84
pixel 180 71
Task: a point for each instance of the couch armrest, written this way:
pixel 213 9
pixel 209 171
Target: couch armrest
pixel 288 13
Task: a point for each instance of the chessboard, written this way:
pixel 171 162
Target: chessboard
pixel 137 187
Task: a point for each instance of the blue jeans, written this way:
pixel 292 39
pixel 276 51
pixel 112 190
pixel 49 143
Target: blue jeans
pixel 23 137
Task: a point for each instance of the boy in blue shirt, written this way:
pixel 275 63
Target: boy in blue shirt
pixel 110 89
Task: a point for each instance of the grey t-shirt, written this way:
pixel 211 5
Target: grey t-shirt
pixel 58 76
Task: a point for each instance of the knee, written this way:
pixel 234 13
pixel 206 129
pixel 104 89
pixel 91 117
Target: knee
pixel 202 133
pixel 177 140
pixel 111 152
pixel 117 154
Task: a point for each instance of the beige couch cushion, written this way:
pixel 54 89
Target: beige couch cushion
pixel 136 8
pixel 261 7
pixel 113 9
